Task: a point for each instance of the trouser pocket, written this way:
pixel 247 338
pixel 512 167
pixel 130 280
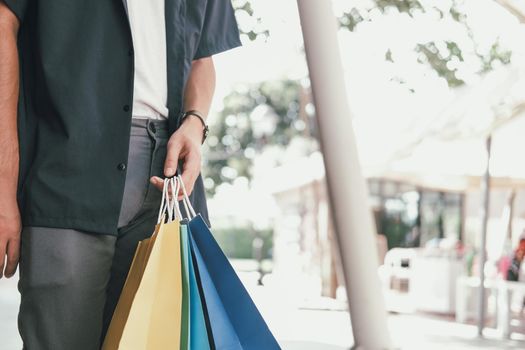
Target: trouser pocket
pixel 153 194
pixel 148 149
pixel 137 177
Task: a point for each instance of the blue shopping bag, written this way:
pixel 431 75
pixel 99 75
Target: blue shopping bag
pixel 235 323
pixel 220 330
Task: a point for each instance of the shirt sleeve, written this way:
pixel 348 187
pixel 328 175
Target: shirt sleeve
pixel 18 7
pixel 220 31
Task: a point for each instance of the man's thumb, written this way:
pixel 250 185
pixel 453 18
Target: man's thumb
pixel 172 157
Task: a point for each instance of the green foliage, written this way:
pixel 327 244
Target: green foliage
pixel 355 16
pixel 438 61
pixel 252 118
pixel 268 114
pixel 407 6
pixel 395 229
pixel 243 7
pixel 496 54
pixel 237 242
pixel 430 55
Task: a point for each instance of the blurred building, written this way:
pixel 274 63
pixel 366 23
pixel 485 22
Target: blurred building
pixel 408 211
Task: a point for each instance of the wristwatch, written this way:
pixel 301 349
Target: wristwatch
pixel 206 129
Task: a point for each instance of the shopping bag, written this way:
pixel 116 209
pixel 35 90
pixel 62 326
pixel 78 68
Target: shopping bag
pixel 185 325
pixel 222 334
pixel 148 313
pixel 234 319
pixel 198 334
pixel 127 295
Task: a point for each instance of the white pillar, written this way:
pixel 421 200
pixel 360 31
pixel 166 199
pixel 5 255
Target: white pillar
pixel 485 214
pixel 354 226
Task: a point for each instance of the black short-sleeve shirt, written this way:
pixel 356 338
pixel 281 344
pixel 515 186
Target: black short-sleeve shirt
pixel 76 94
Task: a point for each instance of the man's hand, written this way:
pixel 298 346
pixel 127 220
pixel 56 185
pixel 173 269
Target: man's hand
pixel 10 227
pixel 186 141
pixel 185 144
pixel 9 154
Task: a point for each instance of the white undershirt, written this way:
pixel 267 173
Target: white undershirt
pixel 150 91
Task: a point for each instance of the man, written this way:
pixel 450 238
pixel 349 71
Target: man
pixel 98 101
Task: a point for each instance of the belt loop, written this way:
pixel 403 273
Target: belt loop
pixel 157 129
pixel 151 126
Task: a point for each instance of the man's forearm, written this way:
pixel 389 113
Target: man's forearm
pixel 9 82
pixel 200 87
pixel 185 143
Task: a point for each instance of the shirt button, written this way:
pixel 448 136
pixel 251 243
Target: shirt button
pixel 126 108
pixel 121 166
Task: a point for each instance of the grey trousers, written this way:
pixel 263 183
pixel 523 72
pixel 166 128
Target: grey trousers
pixel 70 281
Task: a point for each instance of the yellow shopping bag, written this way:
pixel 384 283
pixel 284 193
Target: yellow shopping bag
pixel 148 313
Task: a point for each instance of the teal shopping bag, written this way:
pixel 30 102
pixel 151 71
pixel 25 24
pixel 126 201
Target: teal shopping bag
pixel 196 332
pixel 185 269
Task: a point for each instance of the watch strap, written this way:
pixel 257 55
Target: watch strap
pixel 197 114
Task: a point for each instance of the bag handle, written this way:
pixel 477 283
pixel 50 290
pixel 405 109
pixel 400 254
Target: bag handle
pixel 163 202
pixel 175 210
pixel 186 200
pixel 168 206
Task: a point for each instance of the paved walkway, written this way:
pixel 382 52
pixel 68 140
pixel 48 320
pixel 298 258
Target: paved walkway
pixel 9 301
pixel 302 329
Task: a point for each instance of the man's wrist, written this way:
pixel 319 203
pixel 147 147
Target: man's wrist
pixel 195 121
pixel 194 125
pixel 9 208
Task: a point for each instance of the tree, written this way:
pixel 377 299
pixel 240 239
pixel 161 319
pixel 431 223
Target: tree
pixel 262 114
pixel 268 113
pixel 439 55
pixel 252 30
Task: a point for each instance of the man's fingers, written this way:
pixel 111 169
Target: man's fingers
pixel 189 180
pixel 190 171
pixel 172 157
pixel 3 244
pixel 157 182
pixel 178 147
pixel 13 254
